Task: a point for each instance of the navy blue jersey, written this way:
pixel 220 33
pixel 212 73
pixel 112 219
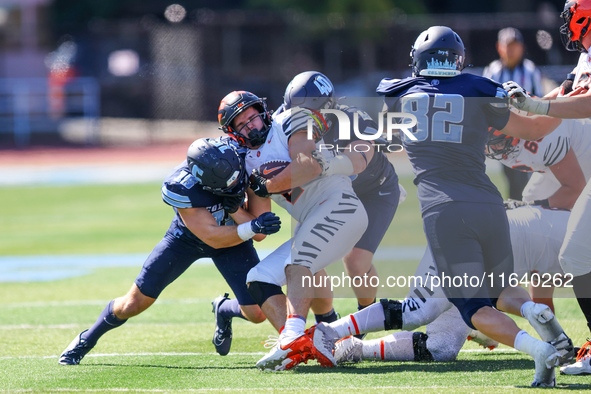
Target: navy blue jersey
pixel 379 169
pixel 181 190
pixel 453 115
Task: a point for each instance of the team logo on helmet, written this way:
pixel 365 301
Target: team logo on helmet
pixel 217 166
pixel 437 52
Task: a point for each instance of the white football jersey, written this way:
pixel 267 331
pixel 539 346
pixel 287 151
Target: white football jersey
pixel 276 147
pixel 582 71
pixel 537 156
pixel 572 133
pixel 536 237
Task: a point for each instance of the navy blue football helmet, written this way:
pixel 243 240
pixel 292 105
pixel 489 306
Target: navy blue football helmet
pixel 232 105
pixel 218 167
pixel 310 89
pixel 437 52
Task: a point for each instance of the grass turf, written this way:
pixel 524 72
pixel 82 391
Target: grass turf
pixel 168 348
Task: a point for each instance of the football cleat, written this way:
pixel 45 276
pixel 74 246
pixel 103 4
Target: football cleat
pixel 482 340
pixel 222 337
pixel 286 352
pixel 565 347
pixel 542 319
pixel 322 336
pixel 348 349
pixel 75 351
pixel 582 365
pixel 546 358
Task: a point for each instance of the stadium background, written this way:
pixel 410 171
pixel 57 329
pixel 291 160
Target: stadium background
pixel 70 68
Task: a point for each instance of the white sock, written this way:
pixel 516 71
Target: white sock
pixel 370 319
pixel 395 347
pixel 294 327
pixel 525 343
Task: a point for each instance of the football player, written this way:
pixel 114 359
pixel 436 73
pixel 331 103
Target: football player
pixel 375 183
pixel 536 236
pixel 330 218
pixel 206 192
pixel 554 158
pixel 463 213
pixel 573 100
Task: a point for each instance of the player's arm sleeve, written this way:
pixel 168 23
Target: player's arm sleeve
pixel 176 197
pixel 299 119
pixel 556 150
pixel 496 111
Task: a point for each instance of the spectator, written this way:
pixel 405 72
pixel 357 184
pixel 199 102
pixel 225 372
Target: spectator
pixel 512 66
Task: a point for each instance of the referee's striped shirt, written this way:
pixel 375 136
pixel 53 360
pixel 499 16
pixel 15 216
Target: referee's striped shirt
pixel 526 74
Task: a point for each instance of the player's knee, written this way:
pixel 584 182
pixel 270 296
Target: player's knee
pixel 254 314
pixel 358 262
pixel 469 309
pixel 392 314
pixel 261 291
pixel 130 307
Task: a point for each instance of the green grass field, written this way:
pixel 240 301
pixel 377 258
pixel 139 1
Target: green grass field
pixel 168 348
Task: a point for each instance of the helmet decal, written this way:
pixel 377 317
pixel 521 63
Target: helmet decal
pixel 437 52
pixel 217 166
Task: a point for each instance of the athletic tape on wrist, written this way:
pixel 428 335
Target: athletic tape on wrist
pixel 245 231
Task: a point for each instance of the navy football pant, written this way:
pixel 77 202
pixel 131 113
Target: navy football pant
pixel 172 256
pixel 380 206
pixel 471 245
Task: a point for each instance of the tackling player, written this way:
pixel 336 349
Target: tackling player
pixel 463 214
pixel 206 192
pixel 575 256
pixel 330 218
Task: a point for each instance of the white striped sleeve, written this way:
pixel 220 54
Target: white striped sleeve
pixel 556 151
pixel 174 199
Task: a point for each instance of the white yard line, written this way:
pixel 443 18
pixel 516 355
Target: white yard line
pixel 184 354
pixel 70 303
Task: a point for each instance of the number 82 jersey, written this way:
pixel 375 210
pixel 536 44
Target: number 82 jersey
pixel 446 149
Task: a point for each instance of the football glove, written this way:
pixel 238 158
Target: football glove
pixel 522 100
pixel 258 184
pixel 322 161
pixel 232 203
pixel 512 204
pixel 567 84
pixel 267 223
